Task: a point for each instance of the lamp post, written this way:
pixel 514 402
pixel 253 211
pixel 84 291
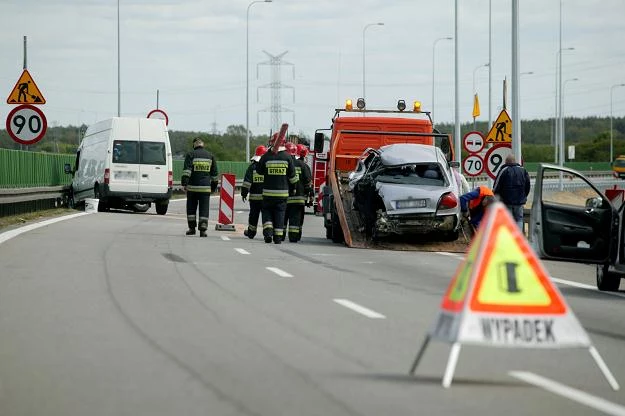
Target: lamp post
pixel 433 64
pixel 363 55
pixel 119 87
pixel 475 71
pixel 556 117
pixel 247 77
pixel 561 187
pixel 611 105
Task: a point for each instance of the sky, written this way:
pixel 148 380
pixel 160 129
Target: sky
pixel 194 53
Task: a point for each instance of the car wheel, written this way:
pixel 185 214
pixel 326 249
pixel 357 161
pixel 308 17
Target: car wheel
pixel 606 280
pixel 161 209
pixel 141 207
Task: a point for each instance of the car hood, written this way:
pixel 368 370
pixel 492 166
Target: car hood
pixel 392 192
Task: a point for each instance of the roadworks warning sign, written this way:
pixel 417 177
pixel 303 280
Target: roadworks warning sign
pixel 501 295
pixel 25 91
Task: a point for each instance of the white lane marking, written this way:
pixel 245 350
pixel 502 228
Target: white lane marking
pixel 570 393
pixel 225 238
pixel 585 286
pixel 279 272
pixel 239 212
pixel 456 255
pixel 242 251
pixel 7 235
pixel 360 309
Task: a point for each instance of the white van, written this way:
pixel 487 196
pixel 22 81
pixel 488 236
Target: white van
pixel 125 163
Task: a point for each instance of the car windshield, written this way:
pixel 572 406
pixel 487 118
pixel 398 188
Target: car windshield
pixel 619 163
pixel 412 174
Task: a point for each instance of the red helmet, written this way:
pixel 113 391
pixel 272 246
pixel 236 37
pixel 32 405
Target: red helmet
pixel 302 150
pixel 260 150
pixel 291 148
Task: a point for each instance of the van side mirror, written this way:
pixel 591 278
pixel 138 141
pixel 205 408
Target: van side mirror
pixel 454 164
pixel 319 141
pixel 67 168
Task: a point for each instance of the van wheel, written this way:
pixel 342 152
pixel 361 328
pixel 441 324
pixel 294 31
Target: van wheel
pixel 161 209
pixel 141 207
pixel 606 280
pixel 103 203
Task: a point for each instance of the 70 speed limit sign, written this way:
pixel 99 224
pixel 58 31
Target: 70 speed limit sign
pixel 473 165
pixel 26 124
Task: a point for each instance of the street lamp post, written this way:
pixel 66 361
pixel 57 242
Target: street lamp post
pixel 247 77
pixel 475 71
pixel 556 117
pixel 363 55
pixel 611 105
pixel 561 187
pixel 433 64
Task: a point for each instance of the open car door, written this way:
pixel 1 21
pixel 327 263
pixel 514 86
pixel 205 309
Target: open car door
pixel 571 219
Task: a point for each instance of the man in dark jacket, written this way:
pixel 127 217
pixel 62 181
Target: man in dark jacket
pixel 296 201
pixel 199 179
pixel 253 186
pixel 279 179
pixel 512 186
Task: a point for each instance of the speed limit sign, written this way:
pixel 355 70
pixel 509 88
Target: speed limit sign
pixel 495 158
pixel 26 124
pixel 473 165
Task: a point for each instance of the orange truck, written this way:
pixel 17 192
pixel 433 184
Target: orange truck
pixel 354 131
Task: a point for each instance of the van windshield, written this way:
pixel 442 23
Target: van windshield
pixel 135 152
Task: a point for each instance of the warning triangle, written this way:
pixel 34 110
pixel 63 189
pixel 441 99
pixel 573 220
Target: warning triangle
pixel 501 130
pixel 26 91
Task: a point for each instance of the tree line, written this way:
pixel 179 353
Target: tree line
pixel 590 135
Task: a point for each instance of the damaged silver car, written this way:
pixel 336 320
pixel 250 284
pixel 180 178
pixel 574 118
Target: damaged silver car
pixel 406 189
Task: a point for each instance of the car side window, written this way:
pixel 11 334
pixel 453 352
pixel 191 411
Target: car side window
pixel 564 188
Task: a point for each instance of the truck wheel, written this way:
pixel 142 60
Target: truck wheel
pixel 329 233
pixel 606 280
pixel 161 209
pixel 337 231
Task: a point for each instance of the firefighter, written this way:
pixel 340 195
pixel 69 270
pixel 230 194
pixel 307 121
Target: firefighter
pixel 295 203
pixel 279 179
pixel 253 186
pixel 302 151
pixel 199 179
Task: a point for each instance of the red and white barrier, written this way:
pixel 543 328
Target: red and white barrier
pixel 226 203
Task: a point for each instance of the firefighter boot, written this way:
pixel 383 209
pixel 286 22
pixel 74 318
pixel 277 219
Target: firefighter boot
pixel 190 231
pixel 203 233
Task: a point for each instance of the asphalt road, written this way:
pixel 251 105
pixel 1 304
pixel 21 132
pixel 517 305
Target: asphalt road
pixel 122 314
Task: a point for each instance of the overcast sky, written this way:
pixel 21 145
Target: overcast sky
pixel 194 52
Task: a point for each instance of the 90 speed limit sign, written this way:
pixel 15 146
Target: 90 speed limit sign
pixel 495 158
pixel 473 165
pixel 26 124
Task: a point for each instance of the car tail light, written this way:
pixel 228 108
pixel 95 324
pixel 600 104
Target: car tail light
pixel 170 179
pixel 107 175
pixel 448 201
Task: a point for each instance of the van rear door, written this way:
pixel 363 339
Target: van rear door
pixel 124 174
pixel 155 157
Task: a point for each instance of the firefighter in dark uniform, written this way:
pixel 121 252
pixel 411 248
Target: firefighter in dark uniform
pixel 199 179
pixel 295 202
pixel 279 179
pixel 302 151
pixel 252 189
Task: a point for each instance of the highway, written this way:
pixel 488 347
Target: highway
pixel 121 314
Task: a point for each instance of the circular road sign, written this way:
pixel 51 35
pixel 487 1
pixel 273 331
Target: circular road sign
pixel 473 165
pixel 160 114
pixel 26 124
pixel 495 158
pixel 473 142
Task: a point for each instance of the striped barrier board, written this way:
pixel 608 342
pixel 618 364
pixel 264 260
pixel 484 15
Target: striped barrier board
pixel 226 203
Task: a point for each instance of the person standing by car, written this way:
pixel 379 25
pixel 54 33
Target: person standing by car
pixel 512 186
pixel 199 179
pixel 279 179
pixel 473 204
pixel 253 186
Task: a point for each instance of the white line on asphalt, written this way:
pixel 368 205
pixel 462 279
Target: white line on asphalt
pixel 279 272
pixel 585 286
pixel 239 212
pixel 570 393
pixel 360 309
pixel 242 251
pixel 7 235
pixel 225 238
pixel 456 255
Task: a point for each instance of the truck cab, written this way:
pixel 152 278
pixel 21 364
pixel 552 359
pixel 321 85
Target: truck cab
pixel 573 220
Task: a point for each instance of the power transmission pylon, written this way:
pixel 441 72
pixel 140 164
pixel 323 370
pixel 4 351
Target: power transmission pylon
pixel 276 86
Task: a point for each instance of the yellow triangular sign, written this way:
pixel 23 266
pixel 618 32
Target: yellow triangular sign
pixel 26 91
pixel 502 296
pixel 501 131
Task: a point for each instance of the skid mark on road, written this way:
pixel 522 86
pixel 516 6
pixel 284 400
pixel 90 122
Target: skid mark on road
pixel 570 393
